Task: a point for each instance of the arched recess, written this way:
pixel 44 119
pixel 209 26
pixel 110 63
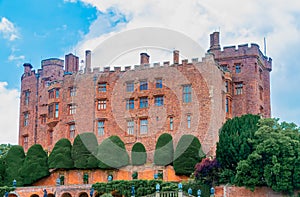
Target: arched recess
pixel 51 195
pixel 34 195
pixel 13 195
pixel 97 194
pixel 66 195
pixel 83 194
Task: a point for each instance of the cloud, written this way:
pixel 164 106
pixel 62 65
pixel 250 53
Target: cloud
pixel 14 58
pixel 239 22
pixel 9 114
pixel 8 30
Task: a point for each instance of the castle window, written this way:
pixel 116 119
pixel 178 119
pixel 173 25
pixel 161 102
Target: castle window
pixel 158 83
pixel 26 118
pixel 25 141
pixel 56 110
pixel 72 109
pixel 187 93
pixel 100 128
pixel 143 126
pixel 238 68
pixel 189 121
pixel 260 93
pixel 143 102
pixel 239 88
pixel 171 123
pixel 72 130
pixel 51 94
pixel 224 67
pixel 72 91
pixel 260 73
pixel 159 100
pixel 43 119
pixel 130 127
pixel 102 87
pixel 130 103
pixel 101 104
pixel 227 105
pixel 27 96
pixel 144 85
pixel 226 87
pixel 56 93
pixel 50 137
pixel 130 86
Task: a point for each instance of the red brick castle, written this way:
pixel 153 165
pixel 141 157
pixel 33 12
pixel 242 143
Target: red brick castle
pixel 141 102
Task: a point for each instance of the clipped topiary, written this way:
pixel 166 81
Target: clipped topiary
pixel 60 157
pixel 84 151
pixel 112 153
pixel 187 154
pixel 13 162
pixel 164 150
pixel 138 154
pixel 35 165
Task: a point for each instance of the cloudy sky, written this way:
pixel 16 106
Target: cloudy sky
pixel 33 30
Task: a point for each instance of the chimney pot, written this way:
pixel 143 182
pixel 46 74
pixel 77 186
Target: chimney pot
pixel 144 58
pixel 175 56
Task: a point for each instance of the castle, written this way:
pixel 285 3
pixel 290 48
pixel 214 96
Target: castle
pixel 141 102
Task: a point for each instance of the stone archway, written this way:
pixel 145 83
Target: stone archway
pixel 50 195
pixel 83 194
pixel 34 195
pixel 12 195
pixel 66 195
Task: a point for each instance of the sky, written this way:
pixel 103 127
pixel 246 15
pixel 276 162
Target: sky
pixel 33 30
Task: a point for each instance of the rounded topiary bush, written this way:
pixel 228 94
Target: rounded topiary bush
pixel 164 150
pixel 60 157
pixel 138 154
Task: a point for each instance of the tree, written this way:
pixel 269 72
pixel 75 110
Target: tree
pixel 13 163
pixel 234 144
pixel 60 157
pixel 35 165
pixel 207 171
pixel 275 159
pixel 138 154
pixel 164 150
pixel 84 151
pixel 4 148
pixel 187 154
pixel 112 153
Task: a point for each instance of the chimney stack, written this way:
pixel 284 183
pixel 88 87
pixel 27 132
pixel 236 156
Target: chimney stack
pixel 88 61
pixel 215 41
pixel 72 63
pixel 27 67
pixel 144 58
pixel 175 57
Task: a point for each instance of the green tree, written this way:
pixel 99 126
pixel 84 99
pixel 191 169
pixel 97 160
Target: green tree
pixel 112 153
pixel 187 154
pixel 234 144
pixel 35 165
pixel 60 157
pixel 164 150
pixel 13 163
pixel 84 151
pixel 4 148
pixel 138 154
pixel 275 159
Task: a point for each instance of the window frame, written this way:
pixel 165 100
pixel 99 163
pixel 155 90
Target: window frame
pixel 102 87
pixel 159 100
pixel 102 104
pixel 130 104
pixel 144 103
pixel 187 93
pixel 130 127
pixel 158 83
pixel 143 126
pixel 143 85
pixel 101 127
pixel 130 86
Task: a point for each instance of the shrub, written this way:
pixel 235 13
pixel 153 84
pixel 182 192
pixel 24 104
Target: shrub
pixel 138 154
pixel 187 154
pixel 164 150
pixel 112 153
pixel 60 157
pixel 84 150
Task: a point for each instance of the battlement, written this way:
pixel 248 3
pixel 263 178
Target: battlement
pixel 52 62
pixel 155 65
